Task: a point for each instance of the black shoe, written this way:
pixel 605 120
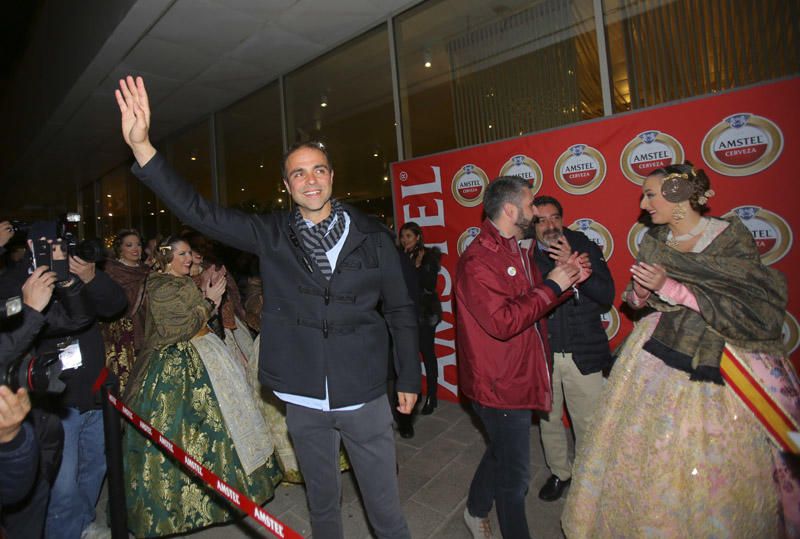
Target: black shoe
pixel 405 426
pixel 430 405
pixel 553 489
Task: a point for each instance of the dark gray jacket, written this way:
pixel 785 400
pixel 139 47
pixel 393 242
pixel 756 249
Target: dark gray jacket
pixel 575 325
pixel 313 328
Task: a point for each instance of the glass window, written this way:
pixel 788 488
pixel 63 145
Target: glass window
pixel 662 51
pixel 189 154
pixel 249 149
pixel 344 99
pixel 88 211
pixel 113 205
pixel 473 72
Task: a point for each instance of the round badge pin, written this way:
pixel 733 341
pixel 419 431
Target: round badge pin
pixel 512 270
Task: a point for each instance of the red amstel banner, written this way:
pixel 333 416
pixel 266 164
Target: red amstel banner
pixel 744 139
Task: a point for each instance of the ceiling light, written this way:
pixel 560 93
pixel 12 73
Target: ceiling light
pixel 426 57
pixel 193 157
pixel 324 101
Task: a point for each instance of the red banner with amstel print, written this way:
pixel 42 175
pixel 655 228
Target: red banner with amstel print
pixel 746 141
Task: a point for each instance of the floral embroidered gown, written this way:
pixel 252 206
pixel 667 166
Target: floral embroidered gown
pixel 189 387
pixel 123 336
pixel 670 457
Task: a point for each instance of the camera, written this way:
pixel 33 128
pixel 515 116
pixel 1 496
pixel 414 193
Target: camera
pixel 88 250
pixel 36 374
pixel 51 236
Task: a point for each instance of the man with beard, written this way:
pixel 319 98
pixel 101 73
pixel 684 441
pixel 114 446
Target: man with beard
pixel 578 342
pixel 502 301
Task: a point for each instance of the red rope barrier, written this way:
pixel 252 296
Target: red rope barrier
pixel 272 524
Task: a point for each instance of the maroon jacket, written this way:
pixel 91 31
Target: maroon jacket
pixel 501 330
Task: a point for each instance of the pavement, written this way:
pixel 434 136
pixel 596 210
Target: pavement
pixel 435 470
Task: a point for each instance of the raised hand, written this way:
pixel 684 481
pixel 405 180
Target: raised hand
pixel 564 275
pixel 560 250
pixel 134 109
pixel 214 290
pixel 38 289
pixel 649 276
pixel 584 265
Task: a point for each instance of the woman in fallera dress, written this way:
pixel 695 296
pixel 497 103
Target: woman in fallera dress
pixel 123 337
pixel 674 452
pixel 187 385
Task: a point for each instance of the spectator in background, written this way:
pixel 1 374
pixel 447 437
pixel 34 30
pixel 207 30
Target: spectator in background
pixel 427 262
pixel 19 448
pixel 79 342
pixel 578 341
pixel 124 336
pixel 150 249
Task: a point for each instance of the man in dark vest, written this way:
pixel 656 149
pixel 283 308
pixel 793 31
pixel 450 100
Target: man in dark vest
pixel 578 342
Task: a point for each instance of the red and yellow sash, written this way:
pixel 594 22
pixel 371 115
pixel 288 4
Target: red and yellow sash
pixel 767 410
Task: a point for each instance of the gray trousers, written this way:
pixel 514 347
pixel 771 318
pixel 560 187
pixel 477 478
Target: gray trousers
pixel 369 440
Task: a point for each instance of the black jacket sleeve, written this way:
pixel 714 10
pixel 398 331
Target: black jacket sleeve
pixel 401 318
pixel 14 343
pixel 231 227
pixel 70 312
pixel 19 460
pixel 106 296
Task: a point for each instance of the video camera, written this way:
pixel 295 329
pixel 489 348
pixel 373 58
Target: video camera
pixel 61 234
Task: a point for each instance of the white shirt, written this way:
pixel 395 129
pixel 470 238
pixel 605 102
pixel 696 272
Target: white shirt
pixel 310 402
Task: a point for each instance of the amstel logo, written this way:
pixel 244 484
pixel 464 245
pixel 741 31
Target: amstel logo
pixel 635 235
pixel 742 144
pixel 610 321
pixel 597 233
pixel 772 234
pixel 580 170
pixel 526 168
pixel 469 184
pixel 647 152
pixel 466 238
pixel 790 333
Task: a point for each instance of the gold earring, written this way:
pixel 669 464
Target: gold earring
pixel 678 212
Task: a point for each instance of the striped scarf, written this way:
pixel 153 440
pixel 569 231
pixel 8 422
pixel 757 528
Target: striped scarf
pixel 318 240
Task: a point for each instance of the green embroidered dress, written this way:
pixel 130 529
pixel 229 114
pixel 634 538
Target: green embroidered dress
pixel 189 387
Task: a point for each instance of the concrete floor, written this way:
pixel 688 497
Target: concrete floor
pixel 436 467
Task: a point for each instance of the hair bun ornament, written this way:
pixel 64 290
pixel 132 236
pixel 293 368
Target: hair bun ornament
pixel 703 199
pixel 676 187
pixel 164 248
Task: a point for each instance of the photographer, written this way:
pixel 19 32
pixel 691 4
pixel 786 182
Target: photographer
pixel 78 341
pixel 22 443
pixel 19 449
